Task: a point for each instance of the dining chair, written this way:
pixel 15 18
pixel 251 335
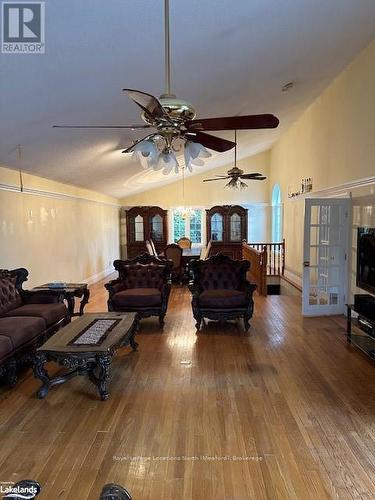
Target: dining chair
pixel 184 242
pixel 155 253
pixel 149 247
pixel 173 252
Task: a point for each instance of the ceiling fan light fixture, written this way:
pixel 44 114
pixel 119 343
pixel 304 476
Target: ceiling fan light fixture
pixel 193 154
pixel 236 184
pixel 197 162
pixel 146 152
pixel 168 162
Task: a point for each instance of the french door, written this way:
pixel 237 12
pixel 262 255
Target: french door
pixel 325 271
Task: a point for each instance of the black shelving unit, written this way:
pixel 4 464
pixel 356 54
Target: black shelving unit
pixel 359 337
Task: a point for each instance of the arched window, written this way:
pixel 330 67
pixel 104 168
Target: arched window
pixel 276 214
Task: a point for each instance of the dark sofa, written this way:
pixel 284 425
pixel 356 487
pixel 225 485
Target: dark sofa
pixel 27 319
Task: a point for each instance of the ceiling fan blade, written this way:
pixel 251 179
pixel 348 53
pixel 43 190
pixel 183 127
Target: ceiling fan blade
pixel 234 123
pixel 147 102
pixel 218 179
pixel 251 176
pixel 261 178
pixel 130 148
pixel 210 141
pixel 132 127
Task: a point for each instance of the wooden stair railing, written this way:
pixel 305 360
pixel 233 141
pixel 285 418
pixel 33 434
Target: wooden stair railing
pixel 258 266
pixel 275 256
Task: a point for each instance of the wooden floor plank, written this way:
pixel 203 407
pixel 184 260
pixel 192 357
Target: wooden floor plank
pixel 284 412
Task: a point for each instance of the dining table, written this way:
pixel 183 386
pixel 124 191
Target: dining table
pixel 189 254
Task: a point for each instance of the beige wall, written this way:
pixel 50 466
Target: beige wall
pixel 56 231
pixel 332 142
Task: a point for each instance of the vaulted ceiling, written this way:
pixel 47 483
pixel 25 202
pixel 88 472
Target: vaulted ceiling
pixel 228 58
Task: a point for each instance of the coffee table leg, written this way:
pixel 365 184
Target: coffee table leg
pixel 104 364
pixel 41 373
pixel 132 342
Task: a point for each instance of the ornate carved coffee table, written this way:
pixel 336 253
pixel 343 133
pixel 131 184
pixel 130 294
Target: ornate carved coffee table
pixel 86 347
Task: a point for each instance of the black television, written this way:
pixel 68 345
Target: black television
pixel 366 258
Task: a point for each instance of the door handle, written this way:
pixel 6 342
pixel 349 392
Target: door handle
pixel 306 263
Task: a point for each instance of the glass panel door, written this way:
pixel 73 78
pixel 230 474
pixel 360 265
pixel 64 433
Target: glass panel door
pixel 157 228
pixel 138 228
pixel 235 227
pixel 325 251
pixel 217 227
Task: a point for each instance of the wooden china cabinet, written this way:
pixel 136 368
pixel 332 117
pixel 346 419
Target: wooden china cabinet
pixel 227 228
pixel 145 223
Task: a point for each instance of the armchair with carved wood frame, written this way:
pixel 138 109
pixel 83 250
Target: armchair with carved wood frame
pixel 220 290
pixel 143 286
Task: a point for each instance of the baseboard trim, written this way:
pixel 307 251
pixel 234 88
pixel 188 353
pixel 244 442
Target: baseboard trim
pixel 293 279
pixel 99 276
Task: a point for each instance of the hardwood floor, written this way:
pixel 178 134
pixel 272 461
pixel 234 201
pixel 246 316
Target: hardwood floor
pixel 286 411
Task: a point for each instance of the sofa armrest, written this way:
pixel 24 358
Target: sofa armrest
pixel 195 288
pixel 42 296
pixel 248 288
pixel 115 286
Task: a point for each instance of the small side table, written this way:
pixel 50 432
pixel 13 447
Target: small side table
pixel 70 291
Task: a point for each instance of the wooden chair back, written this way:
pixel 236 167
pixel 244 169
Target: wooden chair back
pixel 184 242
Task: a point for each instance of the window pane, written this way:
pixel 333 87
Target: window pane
pixel 217 227
pixel 196 226
pixel 157 228
pixel 235 227
pixel 178 226
pixel 139 228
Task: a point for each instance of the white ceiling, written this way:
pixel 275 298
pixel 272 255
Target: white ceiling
pixel 229 58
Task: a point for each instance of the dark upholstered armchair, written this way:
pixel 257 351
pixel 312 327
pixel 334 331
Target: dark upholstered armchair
pixel 143 286
pixel 220 290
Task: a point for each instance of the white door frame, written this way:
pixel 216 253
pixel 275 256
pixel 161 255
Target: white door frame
pixel 326 259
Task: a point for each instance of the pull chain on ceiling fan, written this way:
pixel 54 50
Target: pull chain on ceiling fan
pixel 175 126
pixel 236 175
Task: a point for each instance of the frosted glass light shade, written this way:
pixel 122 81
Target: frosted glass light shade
pixel 146 152
pixel 193 153
pixel 168 162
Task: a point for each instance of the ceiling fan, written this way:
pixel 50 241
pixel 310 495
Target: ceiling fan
pixel 235 174
pixel 175 125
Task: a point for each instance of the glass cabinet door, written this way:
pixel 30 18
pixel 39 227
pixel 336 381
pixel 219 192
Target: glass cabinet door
pixel 138 228
pixel 217 227
pixel 235 227
pixel 157 228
